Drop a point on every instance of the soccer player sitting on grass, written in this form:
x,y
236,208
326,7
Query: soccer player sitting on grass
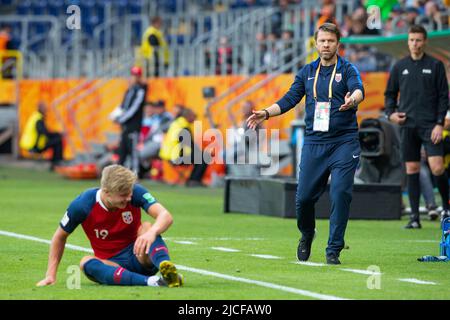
x,y
126,250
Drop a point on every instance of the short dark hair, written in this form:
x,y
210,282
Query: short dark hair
x,y
418,29
328,27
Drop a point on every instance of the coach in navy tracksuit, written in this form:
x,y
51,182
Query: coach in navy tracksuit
x,y
333,89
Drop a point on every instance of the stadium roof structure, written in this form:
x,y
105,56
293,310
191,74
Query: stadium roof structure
x,y
438,44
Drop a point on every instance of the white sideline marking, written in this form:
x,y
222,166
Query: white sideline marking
x,y
239,239
262,284
225,249
183,242
417,281
216,239
21,236
424,241
309,263
301,292
365,272
265,256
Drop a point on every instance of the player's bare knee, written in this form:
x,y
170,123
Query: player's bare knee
x,y
412,168
437,170
84,260
145,226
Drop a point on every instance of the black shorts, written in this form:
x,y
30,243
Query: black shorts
x,y
413,139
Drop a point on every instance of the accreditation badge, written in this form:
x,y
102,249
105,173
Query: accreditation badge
x,y
322,116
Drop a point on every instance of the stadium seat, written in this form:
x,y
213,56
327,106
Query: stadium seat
x,y
23,8
121,7
38,7
56,8
93,21
87,6
135,6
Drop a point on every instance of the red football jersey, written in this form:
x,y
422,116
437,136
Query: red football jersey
x,y
108,231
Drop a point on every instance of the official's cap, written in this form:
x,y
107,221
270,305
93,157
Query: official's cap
x,y
136,71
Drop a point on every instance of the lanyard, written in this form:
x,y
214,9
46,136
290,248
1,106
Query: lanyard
x,y
330,90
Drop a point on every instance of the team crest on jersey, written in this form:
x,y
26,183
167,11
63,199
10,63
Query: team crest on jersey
x,y
127,217
338,77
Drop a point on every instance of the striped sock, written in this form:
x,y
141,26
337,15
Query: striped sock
x,y
105,274
158,252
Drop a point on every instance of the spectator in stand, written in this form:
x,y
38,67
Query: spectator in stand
x,y
258,59
411,15
432,17
36,137
179,148
277,18
359,24
288,45
271,56
178,110
160,122
224,62
327,13
5,38
363,57
6,44
147,121
154,49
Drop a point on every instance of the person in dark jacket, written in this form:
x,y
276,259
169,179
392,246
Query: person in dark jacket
x,y
422,84
129,116
333,89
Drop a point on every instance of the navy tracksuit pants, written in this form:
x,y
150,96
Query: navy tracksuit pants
x,y
318,162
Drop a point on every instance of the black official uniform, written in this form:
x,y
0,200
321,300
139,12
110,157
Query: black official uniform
x,y
423,91
131,120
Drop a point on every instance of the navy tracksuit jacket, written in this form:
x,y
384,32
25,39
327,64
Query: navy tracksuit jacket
x,y
335,152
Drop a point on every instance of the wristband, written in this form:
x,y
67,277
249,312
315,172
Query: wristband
x,y
267,114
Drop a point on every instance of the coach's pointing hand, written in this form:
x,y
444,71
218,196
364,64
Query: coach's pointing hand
x,y
256,118
349,102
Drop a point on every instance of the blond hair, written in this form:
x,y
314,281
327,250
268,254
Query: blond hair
x,y
117,179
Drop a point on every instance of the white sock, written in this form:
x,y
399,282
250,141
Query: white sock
x,y
153,281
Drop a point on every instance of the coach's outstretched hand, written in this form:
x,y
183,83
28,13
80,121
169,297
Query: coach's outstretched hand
x,y
255,119
46,282
348,103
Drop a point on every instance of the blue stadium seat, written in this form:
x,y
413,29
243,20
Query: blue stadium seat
x,y
92,22
66,35
71,2
23,8
56,8
136,33
169,6
135,6
6,2
87,7
38,7
121,6
100,10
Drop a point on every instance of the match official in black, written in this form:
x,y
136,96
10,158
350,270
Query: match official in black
x,y
423,87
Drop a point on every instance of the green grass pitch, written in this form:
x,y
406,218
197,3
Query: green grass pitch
x,y
33,202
